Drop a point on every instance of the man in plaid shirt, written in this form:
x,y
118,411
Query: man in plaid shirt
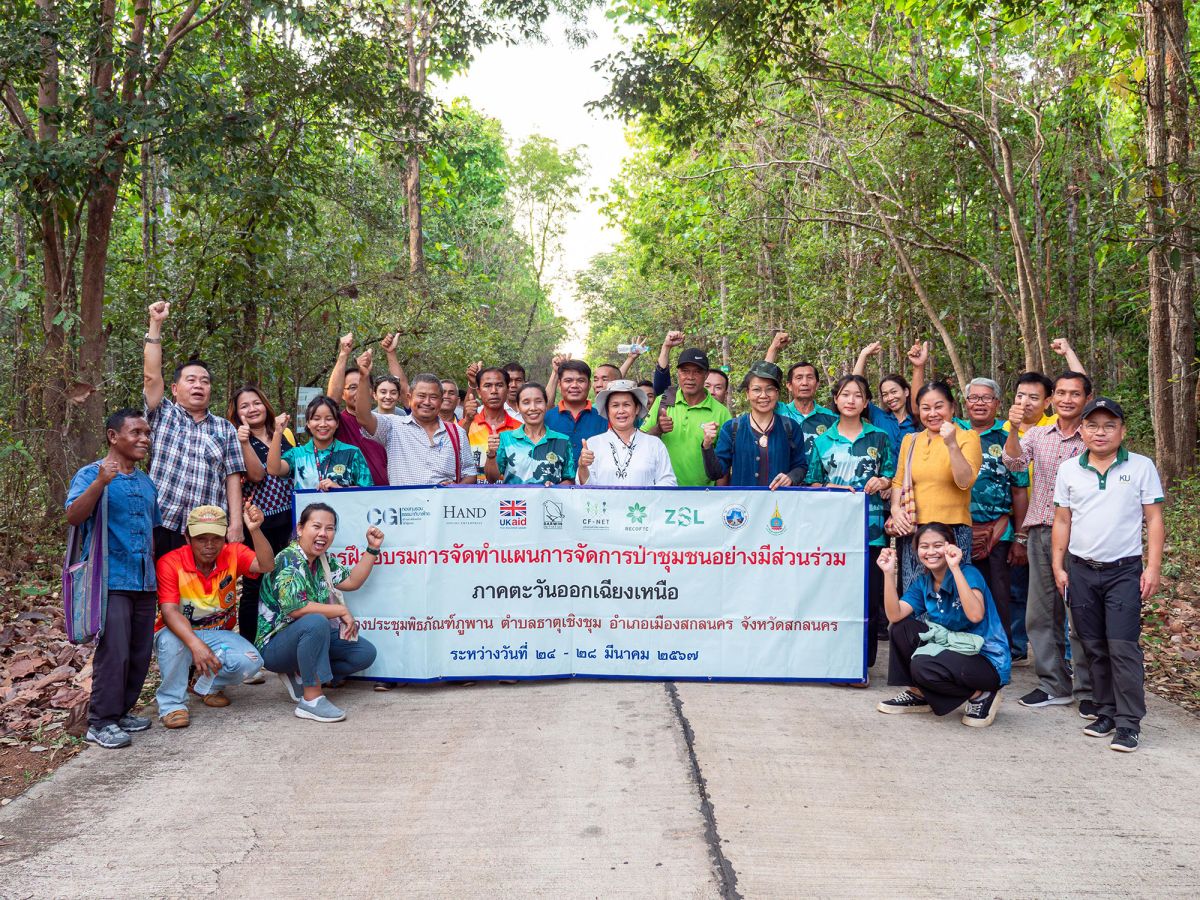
x,y
1047,447
196,460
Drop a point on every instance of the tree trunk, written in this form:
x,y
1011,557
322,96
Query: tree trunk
x,y
1181,259
1172,351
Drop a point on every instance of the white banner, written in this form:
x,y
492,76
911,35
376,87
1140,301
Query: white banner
x,y
664,583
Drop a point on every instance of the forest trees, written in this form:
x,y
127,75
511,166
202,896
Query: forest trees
x,y
239,160
995,176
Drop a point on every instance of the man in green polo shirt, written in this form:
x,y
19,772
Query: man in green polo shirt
x,y
679,415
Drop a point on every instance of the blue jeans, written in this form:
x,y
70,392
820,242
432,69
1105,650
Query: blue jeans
x,y
239,660
311,646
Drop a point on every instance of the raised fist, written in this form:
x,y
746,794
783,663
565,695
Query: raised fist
x,y
954,555
887,560
346,343
374,537
159,311
673,339
780,340
710,434
252,516
365,359
390,342
1016,416
918,354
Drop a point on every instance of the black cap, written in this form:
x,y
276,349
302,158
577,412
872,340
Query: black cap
x,y
767,370
1112,407
693,357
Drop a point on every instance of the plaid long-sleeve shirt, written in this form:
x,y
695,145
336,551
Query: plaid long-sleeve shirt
x,y
190,461
1047,448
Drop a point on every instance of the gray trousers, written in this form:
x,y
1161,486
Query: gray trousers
x,y
1106,605
1046,621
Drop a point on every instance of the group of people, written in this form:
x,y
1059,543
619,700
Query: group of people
x,y
979,527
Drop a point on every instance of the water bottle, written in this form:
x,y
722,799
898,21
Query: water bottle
x,y
632,348
204,684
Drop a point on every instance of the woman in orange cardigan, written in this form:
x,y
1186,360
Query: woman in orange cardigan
x,y
934,474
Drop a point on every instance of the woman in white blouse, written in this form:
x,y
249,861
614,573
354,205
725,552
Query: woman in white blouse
x,y
624,456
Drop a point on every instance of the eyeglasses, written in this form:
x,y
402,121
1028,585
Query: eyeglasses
x,y
762,391
1107,428
980,398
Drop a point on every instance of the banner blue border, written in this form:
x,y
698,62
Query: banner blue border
x,y
582,487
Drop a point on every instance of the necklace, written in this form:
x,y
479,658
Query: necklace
x,y
762,432
622,469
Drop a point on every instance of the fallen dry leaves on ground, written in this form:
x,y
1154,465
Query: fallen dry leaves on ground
x,y
1171,640
45,680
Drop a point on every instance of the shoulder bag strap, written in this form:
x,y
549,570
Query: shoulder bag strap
x,y
452,433
334,593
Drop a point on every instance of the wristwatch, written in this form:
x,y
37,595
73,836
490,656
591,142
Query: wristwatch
x,y
151,340
1022,539
374,551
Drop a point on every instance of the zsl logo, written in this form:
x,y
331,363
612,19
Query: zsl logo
x,y
684,516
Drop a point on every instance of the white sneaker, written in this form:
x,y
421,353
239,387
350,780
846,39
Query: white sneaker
x,y
257,678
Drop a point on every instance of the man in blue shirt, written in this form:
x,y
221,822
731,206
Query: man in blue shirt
x,y
123,653
575,416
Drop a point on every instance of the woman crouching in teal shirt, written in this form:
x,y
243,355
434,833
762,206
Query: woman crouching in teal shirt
x,y
947,642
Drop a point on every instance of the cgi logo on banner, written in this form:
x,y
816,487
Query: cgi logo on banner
x,y
396,515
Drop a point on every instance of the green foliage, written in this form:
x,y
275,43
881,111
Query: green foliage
x,y
765,129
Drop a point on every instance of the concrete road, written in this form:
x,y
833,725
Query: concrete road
x,y
601,789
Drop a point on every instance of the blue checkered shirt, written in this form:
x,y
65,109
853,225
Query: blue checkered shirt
x,y
190,461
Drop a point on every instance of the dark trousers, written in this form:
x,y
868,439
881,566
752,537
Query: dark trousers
x,y
947,679
166,540
1106,610
875,615
998,576
277,529
122,656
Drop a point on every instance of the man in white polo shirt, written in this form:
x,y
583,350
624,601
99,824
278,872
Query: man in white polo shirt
x,y
1101,498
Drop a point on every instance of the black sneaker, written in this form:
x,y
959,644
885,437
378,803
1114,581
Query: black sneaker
x,y
981,711
1037,698
110,737
1126,740
1020,660
1088,709
904,702
1101,727
129,723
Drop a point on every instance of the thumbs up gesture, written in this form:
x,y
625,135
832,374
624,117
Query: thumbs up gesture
x,y
586,456
493,444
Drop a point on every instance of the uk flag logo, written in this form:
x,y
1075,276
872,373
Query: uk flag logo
x,y
513,514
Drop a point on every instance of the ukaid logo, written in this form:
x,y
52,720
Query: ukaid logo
x,y
513,514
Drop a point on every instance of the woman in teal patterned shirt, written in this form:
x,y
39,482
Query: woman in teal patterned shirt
x,y
857,456
531,454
